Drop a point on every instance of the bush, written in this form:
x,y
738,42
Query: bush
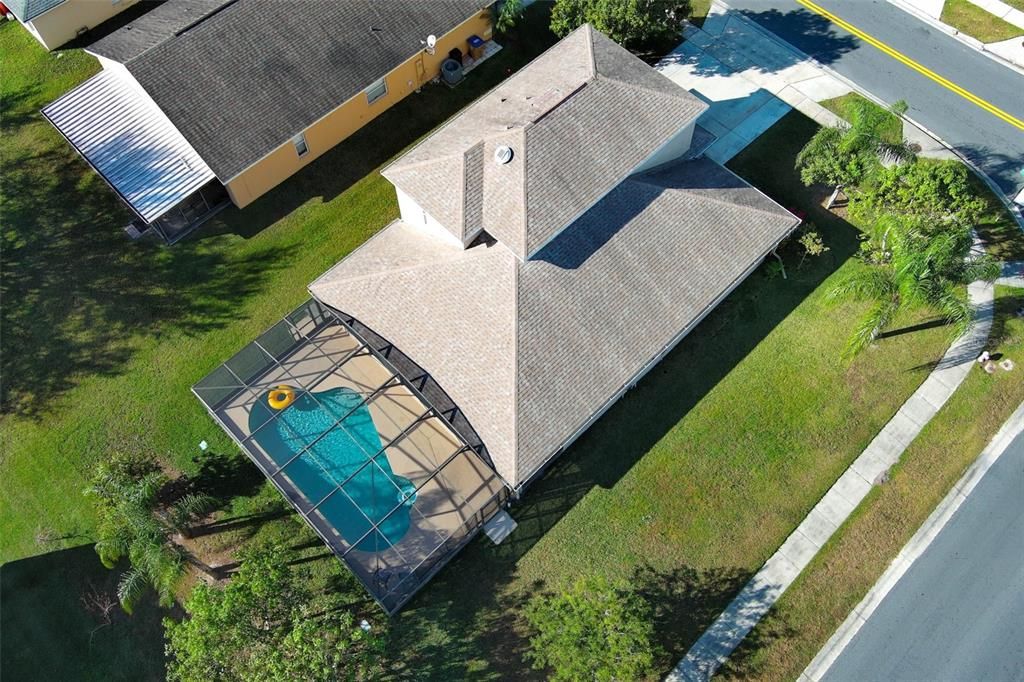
x,y
936,192
265,626
595,630
634,24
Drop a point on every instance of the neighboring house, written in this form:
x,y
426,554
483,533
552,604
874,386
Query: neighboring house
x,y
558,238
201,101
55,22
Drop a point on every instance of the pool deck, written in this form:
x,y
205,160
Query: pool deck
x,y
455,487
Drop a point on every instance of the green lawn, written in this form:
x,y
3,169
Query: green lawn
x,y
839,577
687,485
968,18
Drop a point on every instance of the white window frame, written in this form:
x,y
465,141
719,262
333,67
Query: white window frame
x,y
301,146
377,89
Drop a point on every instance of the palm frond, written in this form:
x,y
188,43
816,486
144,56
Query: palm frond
x,y
985,268
189,507
870,326
956,308
869,283
130,588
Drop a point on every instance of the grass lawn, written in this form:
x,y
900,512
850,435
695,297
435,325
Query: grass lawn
x,y
839,577
687,485
968,18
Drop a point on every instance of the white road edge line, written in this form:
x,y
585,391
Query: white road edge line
x,y
914,548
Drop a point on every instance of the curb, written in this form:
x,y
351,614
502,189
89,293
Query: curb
x,y
924,536
967,40
1015,210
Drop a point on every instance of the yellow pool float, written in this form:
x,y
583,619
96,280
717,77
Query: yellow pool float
x,y
281,397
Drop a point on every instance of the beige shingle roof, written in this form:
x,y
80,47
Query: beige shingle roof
x,y
530,350
579,119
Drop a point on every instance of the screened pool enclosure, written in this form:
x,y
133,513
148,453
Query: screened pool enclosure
x,y
362,442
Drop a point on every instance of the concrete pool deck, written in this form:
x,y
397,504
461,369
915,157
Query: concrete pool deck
x,y
454,485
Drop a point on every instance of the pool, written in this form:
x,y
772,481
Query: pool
x,y
374,490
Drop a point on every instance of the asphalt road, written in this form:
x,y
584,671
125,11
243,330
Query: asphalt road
x,y
958,612
993,144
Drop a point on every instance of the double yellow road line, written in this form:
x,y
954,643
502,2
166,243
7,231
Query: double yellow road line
x,y
923,70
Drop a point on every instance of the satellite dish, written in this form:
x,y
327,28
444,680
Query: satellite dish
x,y
431,41
503,154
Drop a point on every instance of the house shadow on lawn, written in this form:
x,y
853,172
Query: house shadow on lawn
x,y
466,621
54,628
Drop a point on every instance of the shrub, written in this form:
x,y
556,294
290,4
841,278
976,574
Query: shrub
x,y
595,630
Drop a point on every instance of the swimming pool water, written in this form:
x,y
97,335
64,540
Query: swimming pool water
x,y
333,458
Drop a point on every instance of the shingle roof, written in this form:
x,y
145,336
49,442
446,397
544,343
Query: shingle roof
x,y
153,28
578,119
251,75
530,350
130,142
27,10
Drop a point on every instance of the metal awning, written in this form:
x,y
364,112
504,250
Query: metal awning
x,y
128,140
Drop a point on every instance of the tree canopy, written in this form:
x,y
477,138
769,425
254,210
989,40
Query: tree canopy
x,y
634,24
265,626
595,630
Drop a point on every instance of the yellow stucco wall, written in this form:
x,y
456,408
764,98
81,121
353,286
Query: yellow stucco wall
x,y
63,22
353,114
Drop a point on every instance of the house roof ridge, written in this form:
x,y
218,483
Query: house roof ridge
x,y
691,192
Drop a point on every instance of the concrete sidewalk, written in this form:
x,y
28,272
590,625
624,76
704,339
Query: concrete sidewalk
x,y
912,551
779,572
749,80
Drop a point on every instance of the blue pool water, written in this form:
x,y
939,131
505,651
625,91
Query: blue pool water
x,y
333,459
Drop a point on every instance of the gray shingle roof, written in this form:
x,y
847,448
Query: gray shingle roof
x,y
530,350
579,119
252,74
27,10
153,28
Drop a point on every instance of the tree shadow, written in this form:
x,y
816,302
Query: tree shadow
x,y
807,31
466,621
729,44
60,622
77,295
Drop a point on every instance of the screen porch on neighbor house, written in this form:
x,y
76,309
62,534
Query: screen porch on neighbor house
x,y
392,480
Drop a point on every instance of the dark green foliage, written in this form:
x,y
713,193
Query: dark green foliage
x,y
852,154
635,24
595,630
265,625
134,524
935,191
508,14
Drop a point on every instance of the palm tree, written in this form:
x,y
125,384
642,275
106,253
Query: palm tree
x,y
854,152
134,525
910,264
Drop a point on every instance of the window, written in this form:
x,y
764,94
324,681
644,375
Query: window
x,y
300,144
376,91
